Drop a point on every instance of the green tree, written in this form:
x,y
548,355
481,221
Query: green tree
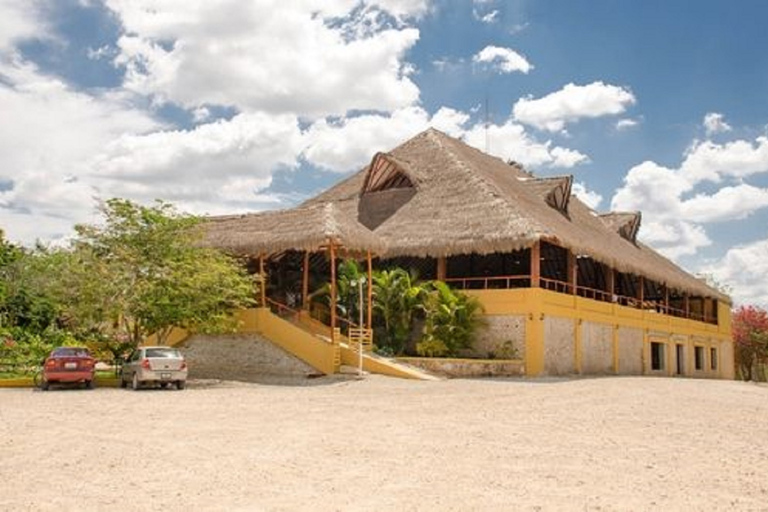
x,y
23,302
397,298
144,271
452,319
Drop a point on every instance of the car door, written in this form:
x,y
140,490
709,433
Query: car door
x,y
130,366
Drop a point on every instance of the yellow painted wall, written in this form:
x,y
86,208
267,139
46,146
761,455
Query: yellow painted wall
x,y
537,304
312,350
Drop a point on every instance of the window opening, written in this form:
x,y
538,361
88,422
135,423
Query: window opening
x,y
657,356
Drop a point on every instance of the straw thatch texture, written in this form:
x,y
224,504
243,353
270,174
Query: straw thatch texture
x,y
460,201
307,228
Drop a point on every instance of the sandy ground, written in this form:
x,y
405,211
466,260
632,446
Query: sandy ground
x,y
388,444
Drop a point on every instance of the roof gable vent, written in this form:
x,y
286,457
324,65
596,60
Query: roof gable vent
x,y
626,224
386,173
560,193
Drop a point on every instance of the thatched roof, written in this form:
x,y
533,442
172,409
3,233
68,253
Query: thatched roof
x,y
436,196
308,228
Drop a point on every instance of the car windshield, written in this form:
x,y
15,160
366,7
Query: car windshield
x,y
70,352
163,352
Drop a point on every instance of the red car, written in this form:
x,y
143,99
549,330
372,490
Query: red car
x,y
68,365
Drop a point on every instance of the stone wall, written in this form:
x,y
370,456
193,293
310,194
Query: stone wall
x,y
502,337
630,351
559,346
467,368
596,348
244,357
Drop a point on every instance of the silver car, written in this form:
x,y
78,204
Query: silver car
x,y
154,366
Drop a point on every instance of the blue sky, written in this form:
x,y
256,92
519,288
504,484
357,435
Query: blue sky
x,y
225,106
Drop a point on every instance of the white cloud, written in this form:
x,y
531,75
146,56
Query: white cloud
x,y
626,124
676,210
224,163
673,237
743,269
402,8
511,141
589,197
504,60
715,123
349,144
715,162
728,203
567,158
271,56
487,17
19,20
572,103
55,130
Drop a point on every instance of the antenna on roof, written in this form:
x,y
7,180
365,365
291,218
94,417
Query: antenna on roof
x,y
487,125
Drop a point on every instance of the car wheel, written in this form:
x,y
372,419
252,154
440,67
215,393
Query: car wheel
x,y
123,383
181,384
45,385
135,384
164,385
89,384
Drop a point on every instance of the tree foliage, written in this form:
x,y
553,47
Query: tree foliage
x,y
144,272
452,319
750,339
23,302
397,298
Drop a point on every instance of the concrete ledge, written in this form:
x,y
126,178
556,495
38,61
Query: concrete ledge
x,y
467,368
27,382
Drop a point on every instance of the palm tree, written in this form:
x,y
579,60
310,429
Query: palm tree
x,y
452,318
397,296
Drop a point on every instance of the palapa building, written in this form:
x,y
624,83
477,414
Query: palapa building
x,y
566,290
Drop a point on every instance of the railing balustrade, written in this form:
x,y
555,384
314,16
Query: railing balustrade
x,y
524,281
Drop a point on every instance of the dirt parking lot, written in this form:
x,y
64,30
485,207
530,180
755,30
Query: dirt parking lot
x,y
388,444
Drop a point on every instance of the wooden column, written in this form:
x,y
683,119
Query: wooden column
x,y
263,287
370,292
666,299
572,272
442,265
687,305
641,290
332,256
535,264
610,282
305,283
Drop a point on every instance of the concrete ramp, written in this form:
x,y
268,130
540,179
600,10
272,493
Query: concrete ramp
x,y
373,363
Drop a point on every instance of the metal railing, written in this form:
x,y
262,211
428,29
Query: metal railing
x,y
489,282
556,285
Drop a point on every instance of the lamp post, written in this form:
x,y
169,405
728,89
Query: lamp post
x,y
359,282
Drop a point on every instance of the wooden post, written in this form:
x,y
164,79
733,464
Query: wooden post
x,y
441,268
535,264
370,292
641,291
305,283
666,299
687,305
332,251
263,287
572,272
610,282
